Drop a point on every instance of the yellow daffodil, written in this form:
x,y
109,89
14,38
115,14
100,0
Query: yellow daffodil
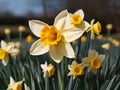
x,y
76,21
116,42
21,28
84,38
29,38
109,26
75,69
100,36
5,50
48,68
93,61
7,31
106,46
14,85
54,38
95,28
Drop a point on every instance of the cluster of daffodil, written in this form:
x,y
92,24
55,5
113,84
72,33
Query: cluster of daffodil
x,y
56,39
61,41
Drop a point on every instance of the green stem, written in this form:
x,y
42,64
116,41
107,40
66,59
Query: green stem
x,y
70,83
59,77
20,36
46,81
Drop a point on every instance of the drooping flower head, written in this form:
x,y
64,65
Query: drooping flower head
x,y
15,85
7,49
75,69
48,68
95,28
54,38
93,61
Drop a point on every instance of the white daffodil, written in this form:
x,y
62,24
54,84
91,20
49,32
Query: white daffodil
x,y
75,69
15,85
54,39
76,21
5,50
93,61
48,68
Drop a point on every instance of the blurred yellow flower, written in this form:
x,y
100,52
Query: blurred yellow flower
x,y
48,68
7,31
29,38
21,28
55,39
84,38
100,36
75,69
116,42
93,61
109,26
106,46
14,85
5,50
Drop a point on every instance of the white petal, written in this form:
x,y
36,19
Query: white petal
x,y
26,87
69,74
92,53
38,48
11,80
60,24
69,67
68,21
36,26
55,54
83,25
10,47
14,51
72,34
66,49
5,61
74,63
80,12
4,44
61,15
44,66
101,57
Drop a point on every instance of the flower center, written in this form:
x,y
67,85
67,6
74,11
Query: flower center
x,y
95,63
50,70
3,53
96,28
50,35
77,69
17,86
76,19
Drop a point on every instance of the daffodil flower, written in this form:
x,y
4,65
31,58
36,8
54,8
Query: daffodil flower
x,y
95,28
76,21
15,85
48,68
5,50
54,38
75,69
93,61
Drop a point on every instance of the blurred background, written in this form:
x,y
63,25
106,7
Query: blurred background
x,y
17,12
